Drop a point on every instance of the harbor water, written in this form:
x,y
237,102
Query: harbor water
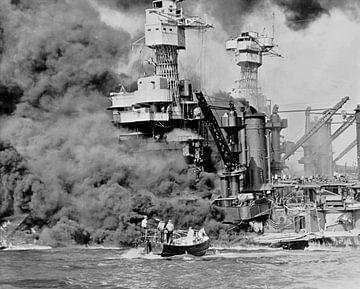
x,y
236,268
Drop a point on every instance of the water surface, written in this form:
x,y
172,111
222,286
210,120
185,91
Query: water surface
x,y
236,268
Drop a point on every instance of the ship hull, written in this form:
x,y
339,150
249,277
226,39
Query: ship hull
x,y
195,250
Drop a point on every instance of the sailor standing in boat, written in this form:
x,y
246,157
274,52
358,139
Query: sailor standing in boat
x,y
201,233
190,236
161,228
144,227
169,229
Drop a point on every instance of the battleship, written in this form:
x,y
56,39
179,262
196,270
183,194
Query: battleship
x,y
163,101
256,194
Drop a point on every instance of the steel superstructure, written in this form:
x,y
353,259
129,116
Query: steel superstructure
x,y
249,48
163,101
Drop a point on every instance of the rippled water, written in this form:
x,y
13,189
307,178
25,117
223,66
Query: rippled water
x,y
241,268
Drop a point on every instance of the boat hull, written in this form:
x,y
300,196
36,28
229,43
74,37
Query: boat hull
x,y
195,250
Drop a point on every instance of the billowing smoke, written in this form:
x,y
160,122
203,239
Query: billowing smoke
x,y
137,5
64,165
299,13
55,50
17,183
9,97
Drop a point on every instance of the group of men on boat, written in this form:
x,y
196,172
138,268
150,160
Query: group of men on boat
x,y
164,232
165,229
162,238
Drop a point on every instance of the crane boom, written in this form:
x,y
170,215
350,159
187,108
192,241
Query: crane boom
x,y
349,121
229,161
325,118
345,151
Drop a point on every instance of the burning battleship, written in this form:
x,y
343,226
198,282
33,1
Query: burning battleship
x,y
163,101
91,190
255,196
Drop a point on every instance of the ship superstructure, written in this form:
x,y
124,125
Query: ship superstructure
x,y
249,48
162,101
252,153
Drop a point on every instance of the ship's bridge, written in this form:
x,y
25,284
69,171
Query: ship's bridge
x,y
249,47
152,89
162,24
150,102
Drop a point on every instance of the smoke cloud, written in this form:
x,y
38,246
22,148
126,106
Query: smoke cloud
x,y
232,13
299,13
60,159
17,183
64,165
126,5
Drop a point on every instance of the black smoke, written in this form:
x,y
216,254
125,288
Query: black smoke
x,y
232,13
63,164
300,13
17,184
55,50
127,5
9,97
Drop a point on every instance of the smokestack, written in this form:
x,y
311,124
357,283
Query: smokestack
x,y
308,148
275,124
256,150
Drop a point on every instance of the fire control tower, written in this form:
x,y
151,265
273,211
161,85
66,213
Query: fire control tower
x,y
165,34
163,101
248,49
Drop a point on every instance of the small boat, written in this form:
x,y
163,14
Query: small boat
x,y
293,244
196,244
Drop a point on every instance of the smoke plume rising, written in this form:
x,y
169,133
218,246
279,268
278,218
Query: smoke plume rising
x,y
64,164
138,5
68,170
299,13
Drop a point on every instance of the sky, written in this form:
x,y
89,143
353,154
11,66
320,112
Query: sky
x,y
320,65
320,62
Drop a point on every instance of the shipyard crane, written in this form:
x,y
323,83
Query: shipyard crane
x,y
345,151
325,118
231,164
348,122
